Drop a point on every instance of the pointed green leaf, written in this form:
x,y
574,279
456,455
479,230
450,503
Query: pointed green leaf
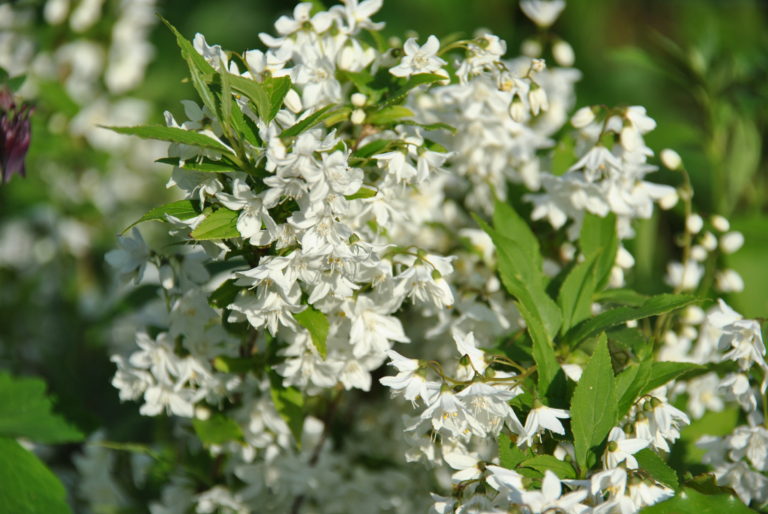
x,y
308,122
598,237
172,135
204,166
182,209
363,192
650,462
510,455
629,385
412,82
391,114
267,95
593,405
26,411
220,224
289,403
663,372
28,486
575,298
690,501
372,148
543,463
217,429
189,53
652,307
621,297
317,324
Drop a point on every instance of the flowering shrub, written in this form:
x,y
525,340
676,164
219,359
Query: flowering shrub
x,y
399,280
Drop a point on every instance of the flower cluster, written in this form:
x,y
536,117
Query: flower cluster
x,y
329,190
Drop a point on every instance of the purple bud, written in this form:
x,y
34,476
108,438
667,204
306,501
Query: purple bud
x,y
14,135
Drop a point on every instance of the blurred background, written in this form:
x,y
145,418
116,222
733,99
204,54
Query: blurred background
x,y
700,67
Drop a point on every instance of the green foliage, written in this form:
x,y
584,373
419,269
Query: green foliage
x,y
25,411
220,224
593,405
217,429
542,463
389,114
203,165
317,324
690,501
28,486
654,306
412,82
650,462
289,403
172,135
182,209
310,121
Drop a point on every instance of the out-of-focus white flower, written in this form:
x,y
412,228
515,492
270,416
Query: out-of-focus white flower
x,y
542,12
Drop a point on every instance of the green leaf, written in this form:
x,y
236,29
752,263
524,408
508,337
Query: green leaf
x,y
226,98
28,486
205,166
308,122
183,209
220,224
217,429
413,81
510,456
543,463
233,364
690,501
372,148
652,307
225,294
629,385
519,265
621,297
657,468
632,339
390,114
189,53
25,411
289,403
663,372
363,192
317,324
562,156
593,405
267,95
575,298
171,134
598,237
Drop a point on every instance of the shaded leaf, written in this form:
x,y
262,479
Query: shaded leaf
x,y
543,463
663,372
657,468
220,224
289,403
575,297
26,411
308,122
217,429
317,324
28,487
598,237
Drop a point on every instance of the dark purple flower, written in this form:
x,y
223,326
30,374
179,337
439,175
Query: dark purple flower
x,y
14,135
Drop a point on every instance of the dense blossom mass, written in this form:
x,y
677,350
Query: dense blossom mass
x,y
357,319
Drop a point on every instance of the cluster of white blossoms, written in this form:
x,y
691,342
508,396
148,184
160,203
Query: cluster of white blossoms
x,y
328,187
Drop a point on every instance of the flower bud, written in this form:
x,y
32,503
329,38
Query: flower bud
x,y
358,116
729,281
358,99
694,224
699,253
731,242
537,98
583,117
293,101
531,48
517,109
720,223
563,53
708,241
671,159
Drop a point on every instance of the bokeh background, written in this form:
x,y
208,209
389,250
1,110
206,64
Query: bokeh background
x,y
700,67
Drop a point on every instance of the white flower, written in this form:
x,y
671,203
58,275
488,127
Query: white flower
x,y
694,223
543,418
409,379
542,12
728,281
621,449
420,59
550,497
686,277
131,256
449,415
671,159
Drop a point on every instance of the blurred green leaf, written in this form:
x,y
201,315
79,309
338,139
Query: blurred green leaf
x,y
171,134
217,429
28,486
317,324
220,224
